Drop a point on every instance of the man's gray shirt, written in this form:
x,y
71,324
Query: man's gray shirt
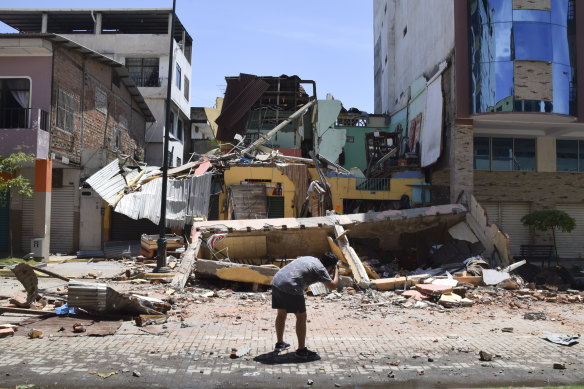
x,y
299,274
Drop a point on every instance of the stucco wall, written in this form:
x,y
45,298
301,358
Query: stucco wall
x,y
415,36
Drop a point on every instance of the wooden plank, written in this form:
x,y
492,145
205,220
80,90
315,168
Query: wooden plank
x,y
359,272
397,282
25,311
475,280
337,251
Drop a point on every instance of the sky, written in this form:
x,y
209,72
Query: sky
x,y
328,41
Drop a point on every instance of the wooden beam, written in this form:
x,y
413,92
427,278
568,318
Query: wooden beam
x,y
350,256
397,282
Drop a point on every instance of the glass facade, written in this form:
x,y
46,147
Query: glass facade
x,y
500,35
569,155
504,154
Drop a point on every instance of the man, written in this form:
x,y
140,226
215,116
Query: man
x,y
288,288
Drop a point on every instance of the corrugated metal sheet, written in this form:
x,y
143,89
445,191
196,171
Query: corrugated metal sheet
x,y
86,295
107,182
185,199
240,95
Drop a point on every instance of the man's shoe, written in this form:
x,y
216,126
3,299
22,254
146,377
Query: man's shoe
x,y
281,347
305,354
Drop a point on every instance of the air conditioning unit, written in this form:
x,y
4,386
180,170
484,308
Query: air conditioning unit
x,y
37,247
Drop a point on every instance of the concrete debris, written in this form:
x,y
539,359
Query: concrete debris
x,y
25,274
35,334
239,351
565,340
493,277
434,290
485,356
5,332
534,316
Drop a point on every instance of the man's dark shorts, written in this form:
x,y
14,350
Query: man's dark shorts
x,y
292,303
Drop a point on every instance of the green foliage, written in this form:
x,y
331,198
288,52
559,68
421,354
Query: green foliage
x,y
11,261
545,219
10,179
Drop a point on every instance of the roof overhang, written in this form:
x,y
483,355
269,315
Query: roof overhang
x,y
519,124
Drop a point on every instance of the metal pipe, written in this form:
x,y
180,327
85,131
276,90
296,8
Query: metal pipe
x,y
271,133
161,257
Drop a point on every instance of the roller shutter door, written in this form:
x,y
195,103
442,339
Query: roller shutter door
x,y
26,227
4,223
62,220
571,244
511,214
507,215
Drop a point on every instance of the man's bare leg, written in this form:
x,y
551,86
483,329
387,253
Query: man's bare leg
x,y
280,324
301,329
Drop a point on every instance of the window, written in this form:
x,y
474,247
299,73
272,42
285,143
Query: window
x,y
171,123
504,154
187,86
117,139
178,78
144,71
66,109
179,130
101,101
14,102
569,155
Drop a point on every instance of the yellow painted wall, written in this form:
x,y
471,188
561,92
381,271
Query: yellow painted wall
x,y
236,174
341,187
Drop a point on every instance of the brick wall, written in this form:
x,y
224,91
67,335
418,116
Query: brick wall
x,y
544,190
107,109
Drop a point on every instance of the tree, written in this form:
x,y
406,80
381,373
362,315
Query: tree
x,y
553,219
11,179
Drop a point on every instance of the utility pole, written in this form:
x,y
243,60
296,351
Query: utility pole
x,y
161,266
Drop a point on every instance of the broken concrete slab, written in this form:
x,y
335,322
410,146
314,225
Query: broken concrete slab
x,y
351,257
236,272
434,290
565,340
25,274
416,295
493,277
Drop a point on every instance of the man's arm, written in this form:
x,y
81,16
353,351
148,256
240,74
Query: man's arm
x,y
332,285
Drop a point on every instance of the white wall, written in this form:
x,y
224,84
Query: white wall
x,y
429,40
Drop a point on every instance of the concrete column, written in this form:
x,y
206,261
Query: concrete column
x,y
41,222
461,162
98,23
44,23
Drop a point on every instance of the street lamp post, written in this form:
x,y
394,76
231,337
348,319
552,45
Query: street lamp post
x,y
161,266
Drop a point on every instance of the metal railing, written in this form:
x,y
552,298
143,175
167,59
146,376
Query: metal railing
x,y
373,184
152,81
34,118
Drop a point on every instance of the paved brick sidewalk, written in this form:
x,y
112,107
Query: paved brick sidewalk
x,y
359,343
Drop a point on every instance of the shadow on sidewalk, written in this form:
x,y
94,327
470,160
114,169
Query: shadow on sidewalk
x,y
274,358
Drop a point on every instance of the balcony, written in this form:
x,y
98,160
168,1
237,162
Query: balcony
x,y
26,130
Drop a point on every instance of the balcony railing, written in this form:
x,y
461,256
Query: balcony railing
x,y
373,184
34,118
151,81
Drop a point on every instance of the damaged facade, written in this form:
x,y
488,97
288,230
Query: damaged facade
x,y
69,106
506,136
138,39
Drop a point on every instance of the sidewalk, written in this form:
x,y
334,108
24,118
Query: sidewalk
x,y
362,340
